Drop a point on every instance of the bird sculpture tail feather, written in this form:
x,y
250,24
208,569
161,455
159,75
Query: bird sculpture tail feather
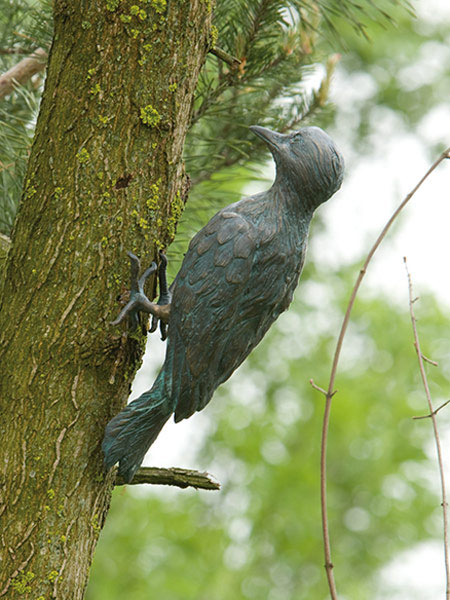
x,y
130,434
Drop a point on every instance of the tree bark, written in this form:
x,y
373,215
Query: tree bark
x,y
105,176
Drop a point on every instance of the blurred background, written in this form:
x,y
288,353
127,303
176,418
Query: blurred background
x,y
380,86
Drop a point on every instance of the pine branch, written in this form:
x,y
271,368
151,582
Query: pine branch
x,y
230,155
256,24
213,96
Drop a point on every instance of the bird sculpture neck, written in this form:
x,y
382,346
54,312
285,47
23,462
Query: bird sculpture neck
x,y
292,202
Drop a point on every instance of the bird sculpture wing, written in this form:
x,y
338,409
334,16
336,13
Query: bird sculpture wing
x,y
208,331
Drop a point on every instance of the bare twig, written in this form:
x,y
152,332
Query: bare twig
x,y
26,37
318,388
428,360
182,478
230,60
435,430
435,412
330,392
22,71
5,51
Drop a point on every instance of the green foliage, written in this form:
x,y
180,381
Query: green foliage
x,y
408,72
24,27
276,42
361,16
17,120
280,45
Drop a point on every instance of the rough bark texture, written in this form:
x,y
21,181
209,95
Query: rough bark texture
x,y
105,176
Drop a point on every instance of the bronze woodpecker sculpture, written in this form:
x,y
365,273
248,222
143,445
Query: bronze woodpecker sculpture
x,y
238,275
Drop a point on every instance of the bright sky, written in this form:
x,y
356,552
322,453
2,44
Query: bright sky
x,y
374,186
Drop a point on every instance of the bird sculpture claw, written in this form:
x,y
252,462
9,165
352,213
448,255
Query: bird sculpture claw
x,y
138,301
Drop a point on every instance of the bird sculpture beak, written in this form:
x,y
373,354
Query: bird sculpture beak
x,y
272,138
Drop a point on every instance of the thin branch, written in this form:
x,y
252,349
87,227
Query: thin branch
x,y
435,412
6,51
337,353
428,360
236,74
435,430
25,37
22,71
230,60
182,478
318,388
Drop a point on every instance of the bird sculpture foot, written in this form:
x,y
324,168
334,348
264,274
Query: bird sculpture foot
x,y
164,300
138,300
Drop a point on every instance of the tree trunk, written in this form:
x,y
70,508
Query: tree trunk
x,y
105,176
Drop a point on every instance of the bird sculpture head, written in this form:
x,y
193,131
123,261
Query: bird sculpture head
x,y
307,161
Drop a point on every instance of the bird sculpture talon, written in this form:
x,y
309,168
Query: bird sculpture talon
x,y
165,298
138,300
